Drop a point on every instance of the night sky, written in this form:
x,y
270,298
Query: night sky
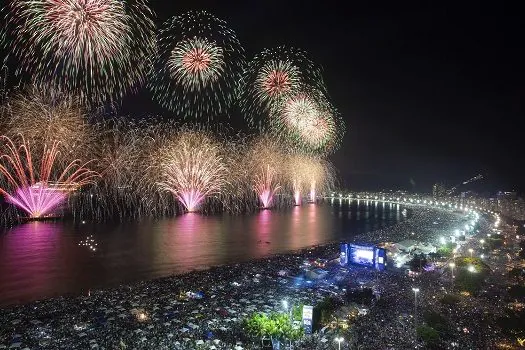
x,y
428,93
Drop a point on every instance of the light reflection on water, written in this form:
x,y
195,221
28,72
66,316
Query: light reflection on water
x,y
43,259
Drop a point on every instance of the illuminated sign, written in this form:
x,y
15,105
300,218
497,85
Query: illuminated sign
x,y
308,312
343,258
363,255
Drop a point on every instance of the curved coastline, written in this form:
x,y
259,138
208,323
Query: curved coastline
x,y
108,316
391,233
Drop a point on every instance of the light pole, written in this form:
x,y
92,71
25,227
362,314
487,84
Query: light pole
x,y
339,340
416,290
470,251
285,305
452,265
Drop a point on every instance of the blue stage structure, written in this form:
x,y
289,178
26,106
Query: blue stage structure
x,y
365,255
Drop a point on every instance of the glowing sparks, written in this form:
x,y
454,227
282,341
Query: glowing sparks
x,y
312,191
310,122
39,191
97,49
273,76
307,174
276,80
265,162
265,185
198,66
47,116
196,63
192,168
37,200
297,191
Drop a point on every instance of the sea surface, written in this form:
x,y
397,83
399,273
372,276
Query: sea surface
x,y
48,259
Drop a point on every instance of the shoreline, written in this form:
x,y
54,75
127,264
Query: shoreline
x,y
325,250
314,249
170,318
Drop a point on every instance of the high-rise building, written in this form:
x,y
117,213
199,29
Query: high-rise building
x,y
438,190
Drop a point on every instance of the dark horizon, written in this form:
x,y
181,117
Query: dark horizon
x,y
429,93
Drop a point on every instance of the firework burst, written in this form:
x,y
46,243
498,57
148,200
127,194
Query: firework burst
x,y
120,161
298,172
272,77
308,175
198,65
38,191
266,185
310,122
192,167
96,49
265,165
48,116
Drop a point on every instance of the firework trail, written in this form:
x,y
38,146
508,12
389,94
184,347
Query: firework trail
x,y
119,150
273,76
198,65
48,116
192,167
38,191
96,49
308,174
265,164
321,177
266,185
298,171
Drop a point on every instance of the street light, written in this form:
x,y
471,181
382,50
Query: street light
x,y
285,305
452,265
471,268
339,340
416,290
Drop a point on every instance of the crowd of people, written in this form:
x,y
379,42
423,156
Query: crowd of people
x,y
206,309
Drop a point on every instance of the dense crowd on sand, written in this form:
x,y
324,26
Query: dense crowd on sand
x,y
205,309
471,323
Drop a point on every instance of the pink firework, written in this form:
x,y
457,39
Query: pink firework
x,y
312,191
297,192
266,186
39,191
37,200
192,168
191,199
276,82
196,60
97,50
80,26
196,63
